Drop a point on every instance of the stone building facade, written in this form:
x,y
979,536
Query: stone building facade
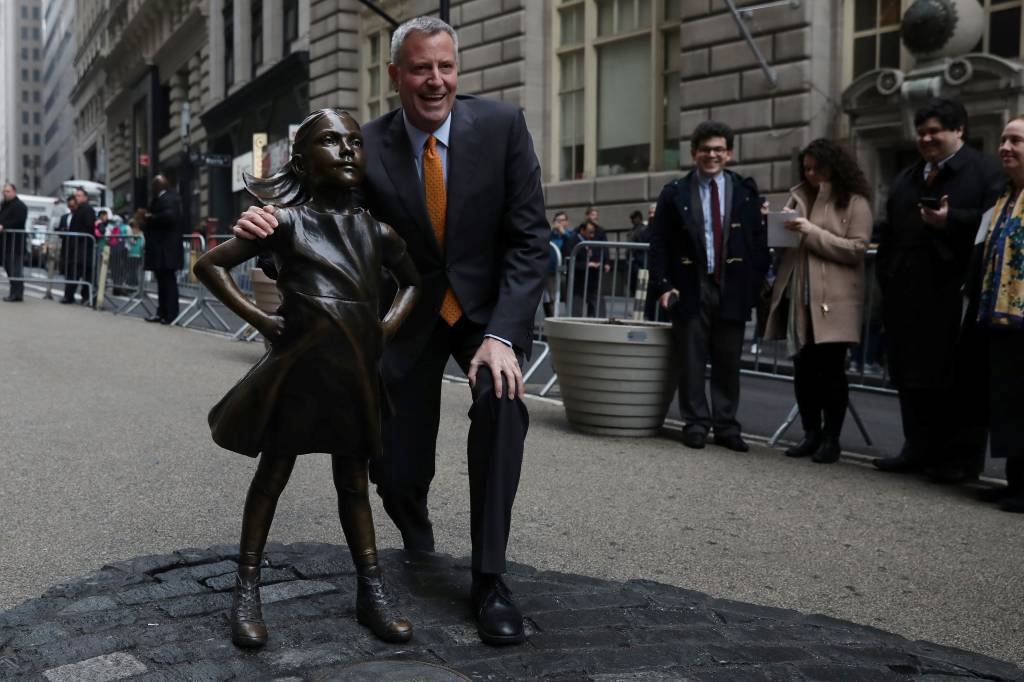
x,y
21,41
611,89
58,79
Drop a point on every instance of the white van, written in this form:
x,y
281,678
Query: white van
x,y
40,212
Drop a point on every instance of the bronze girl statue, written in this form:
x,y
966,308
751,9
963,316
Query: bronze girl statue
x,y
318,387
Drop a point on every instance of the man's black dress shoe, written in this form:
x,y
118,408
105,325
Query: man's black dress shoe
x,y
950,475
65,301
807,447
694,439
828,452
994,494
732,441
1013,503
898,464
154,318
498,619
12,299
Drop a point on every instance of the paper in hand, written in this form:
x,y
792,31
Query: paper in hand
x,y
779,236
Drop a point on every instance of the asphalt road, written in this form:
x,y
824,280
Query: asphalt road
x,y
106,455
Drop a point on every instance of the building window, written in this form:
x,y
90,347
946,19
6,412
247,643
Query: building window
x,y
256,34
876,35
229,44
24,53
35,34
24,74
37,118
24,118
24,96
35,53
24,139
35,12
1002,28
35,139
35,97
617,90
24,32
291,24
379,96
35,75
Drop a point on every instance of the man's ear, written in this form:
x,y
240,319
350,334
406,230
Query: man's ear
x,y
393,75
960,132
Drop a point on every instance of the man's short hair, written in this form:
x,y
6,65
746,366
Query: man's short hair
x,y
950,114
589,209
709,129
636,214
559,213
429,25
11,185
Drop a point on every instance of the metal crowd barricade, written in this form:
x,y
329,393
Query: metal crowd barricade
x,y
119,267
45,257
538,361
613,286
194,245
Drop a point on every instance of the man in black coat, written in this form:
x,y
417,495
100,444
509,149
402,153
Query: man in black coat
x,y
708,259
13,216
78,252
482,261
924,249
163,250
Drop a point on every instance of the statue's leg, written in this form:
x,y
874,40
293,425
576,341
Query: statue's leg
x,y
375,605
247,626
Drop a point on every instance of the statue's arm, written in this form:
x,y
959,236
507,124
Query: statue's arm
x,y
399,264
214,270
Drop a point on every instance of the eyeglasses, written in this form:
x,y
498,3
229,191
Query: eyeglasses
x,y
712,150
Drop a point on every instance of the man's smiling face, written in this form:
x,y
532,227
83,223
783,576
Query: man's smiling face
x,y
426,77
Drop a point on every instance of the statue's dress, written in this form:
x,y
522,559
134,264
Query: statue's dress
x,y
318,388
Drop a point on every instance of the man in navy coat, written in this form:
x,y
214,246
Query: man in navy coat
x,y
708,260
492,261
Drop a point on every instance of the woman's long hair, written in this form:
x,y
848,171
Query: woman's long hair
x,y
287,187
845,175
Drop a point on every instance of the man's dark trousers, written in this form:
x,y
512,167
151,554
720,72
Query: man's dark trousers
x,y
699,338
166,294
496,434
13,247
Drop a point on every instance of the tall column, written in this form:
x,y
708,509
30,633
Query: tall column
x,y
273,32
215,24
243,42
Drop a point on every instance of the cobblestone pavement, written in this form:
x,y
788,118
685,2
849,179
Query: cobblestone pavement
x,y
164,618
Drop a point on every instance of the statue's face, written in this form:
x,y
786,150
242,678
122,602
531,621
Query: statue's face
x,y
333,152
426,77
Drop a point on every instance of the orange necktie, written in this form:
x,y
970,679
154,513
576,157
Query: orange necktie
x,y
437,208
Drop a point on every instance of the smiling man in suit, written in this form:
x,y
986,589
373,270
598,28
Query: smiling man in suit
x,y
708,259
457,177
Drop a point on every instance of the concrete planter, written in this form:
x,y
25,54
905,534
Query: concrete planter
x,y
616,377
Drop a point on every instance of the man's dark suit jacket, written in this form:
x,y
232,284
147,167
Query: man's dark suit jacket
x,y
496,231
678,257
921,269
162,230
13,216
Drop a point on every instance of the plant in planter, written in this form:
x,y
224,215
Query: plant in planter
x,y
616,377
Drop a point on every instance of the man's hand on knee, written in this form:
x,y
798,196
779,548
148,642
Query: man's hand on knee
x,y
503,365
257,222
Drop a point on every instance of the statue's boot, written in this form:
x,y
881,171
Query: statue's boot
x,y
247,627
376,608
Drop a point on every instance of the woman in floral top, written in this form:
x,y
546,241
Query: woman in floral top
x,y
999,279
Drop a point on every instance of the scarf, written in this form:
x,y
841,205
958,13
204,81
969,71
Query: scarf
x,y
1002,286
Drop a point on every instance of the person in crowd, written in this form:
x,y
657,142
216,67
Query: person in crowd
x,y
116,232
559,234
78,251
135,243
817,297
996,309
651,307
100,226
708,259
589,266
476,230
163,251
13,218
925,245
640,233
591,215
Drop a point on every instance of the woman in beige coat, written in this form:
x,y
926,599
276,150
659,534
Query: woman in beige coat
x,y
818,295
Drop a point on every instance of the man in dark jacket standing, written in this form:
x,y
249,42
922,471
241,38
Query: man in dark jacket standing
x,y
78,251
925,246
162,229
13,216
708,259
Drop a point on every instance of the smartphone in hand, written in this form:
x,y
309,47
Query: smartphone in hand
x,y
934,203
